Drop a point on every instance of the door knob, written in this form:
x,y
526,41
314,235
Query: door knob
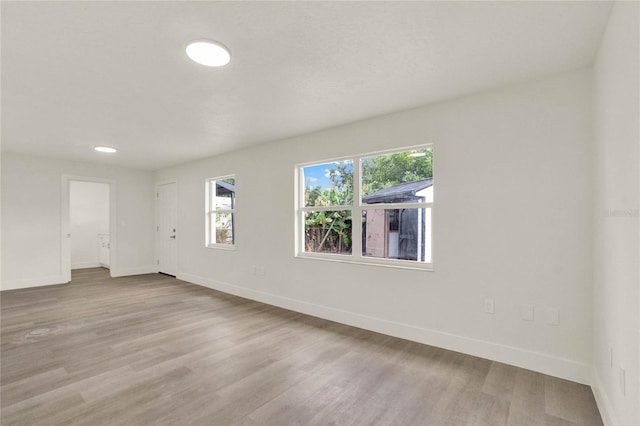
x,y
173,237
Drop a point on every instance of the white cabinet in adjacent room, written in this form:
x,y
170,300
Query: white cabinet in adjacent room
x,y
104,246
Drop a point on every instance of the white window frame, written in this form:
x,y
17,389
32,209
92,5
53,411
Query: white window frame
x,y
357,209
210,209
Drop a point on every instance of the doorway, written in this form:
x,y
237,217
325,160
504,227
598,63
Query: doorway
x,y
167,227
88,224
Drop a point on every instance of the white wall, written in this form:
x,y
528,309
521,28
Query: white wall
x,y
616,240
88,217
31,221
513,176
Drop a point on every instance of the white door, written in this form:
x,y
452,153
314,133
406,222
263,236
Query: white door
x,y
167,227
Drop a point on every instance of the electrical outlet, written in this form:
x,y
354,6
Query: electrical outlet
x,y
527,312
489,306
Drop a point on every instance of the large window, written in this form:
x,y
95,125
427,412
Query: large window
x,y
373,208
221,208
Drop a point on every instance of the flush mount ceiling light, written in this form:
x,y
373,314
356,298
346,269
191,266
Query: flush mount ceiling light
x,y
209,53
105,149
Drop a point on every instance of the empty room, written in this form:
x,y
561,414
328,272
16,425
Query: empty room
x,y
320,213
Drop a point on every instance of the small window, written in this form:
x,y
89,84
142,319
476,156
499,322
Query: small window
x,y
221,208
401,177
389,194
328,184
404,182
328,187
327,231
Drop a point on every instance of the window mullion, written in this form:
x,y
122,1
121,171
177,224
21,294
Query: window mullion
x,y
384,206
324,208
356,212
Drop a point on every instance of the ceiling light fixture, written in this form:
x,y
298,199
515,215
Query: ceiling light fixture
x,y
209,53
105,149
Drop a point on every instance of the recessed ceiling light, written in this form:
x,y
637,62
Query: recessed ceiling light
x,y
105,149
209,53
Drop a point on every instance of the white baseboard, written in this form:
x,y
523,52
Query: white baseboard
x,y
125,272
536,361
59,279
32,282
85,265
603,403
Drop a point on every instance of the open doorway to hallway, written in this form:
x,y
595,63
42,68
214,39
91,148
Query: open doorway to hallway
x,y
89,224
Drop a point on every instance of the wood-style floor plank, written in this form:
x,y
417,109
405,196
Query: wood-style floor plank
x,y
151,349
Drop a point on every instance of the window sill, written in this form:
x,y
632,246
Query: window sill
x,y
385,263
226,247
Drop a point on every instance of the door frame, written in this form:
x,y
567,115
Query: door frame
x,y
65,223
157,220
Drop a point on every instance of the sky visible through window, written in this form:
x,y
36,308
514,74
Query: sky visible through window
x,y
318,175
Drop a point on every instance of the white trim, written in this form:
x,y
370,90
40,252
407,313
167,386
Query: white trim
x,y
32,282
220,246
166,182
536,361
396,206
335,208
367,260
211,209
85,265
65,243
156,267
378,206
134,271
366,154
298,192
356,214
357,208
603,402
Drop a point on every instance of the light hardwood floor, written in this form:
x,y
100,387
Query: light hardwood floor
x,y
153,350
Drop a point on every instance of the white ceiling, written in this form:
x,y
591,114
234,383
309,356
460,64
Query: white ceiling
x,y
79,74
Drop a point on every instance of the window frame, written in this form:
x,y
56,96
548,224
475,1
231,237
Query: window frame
x,y
357,208
211,209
